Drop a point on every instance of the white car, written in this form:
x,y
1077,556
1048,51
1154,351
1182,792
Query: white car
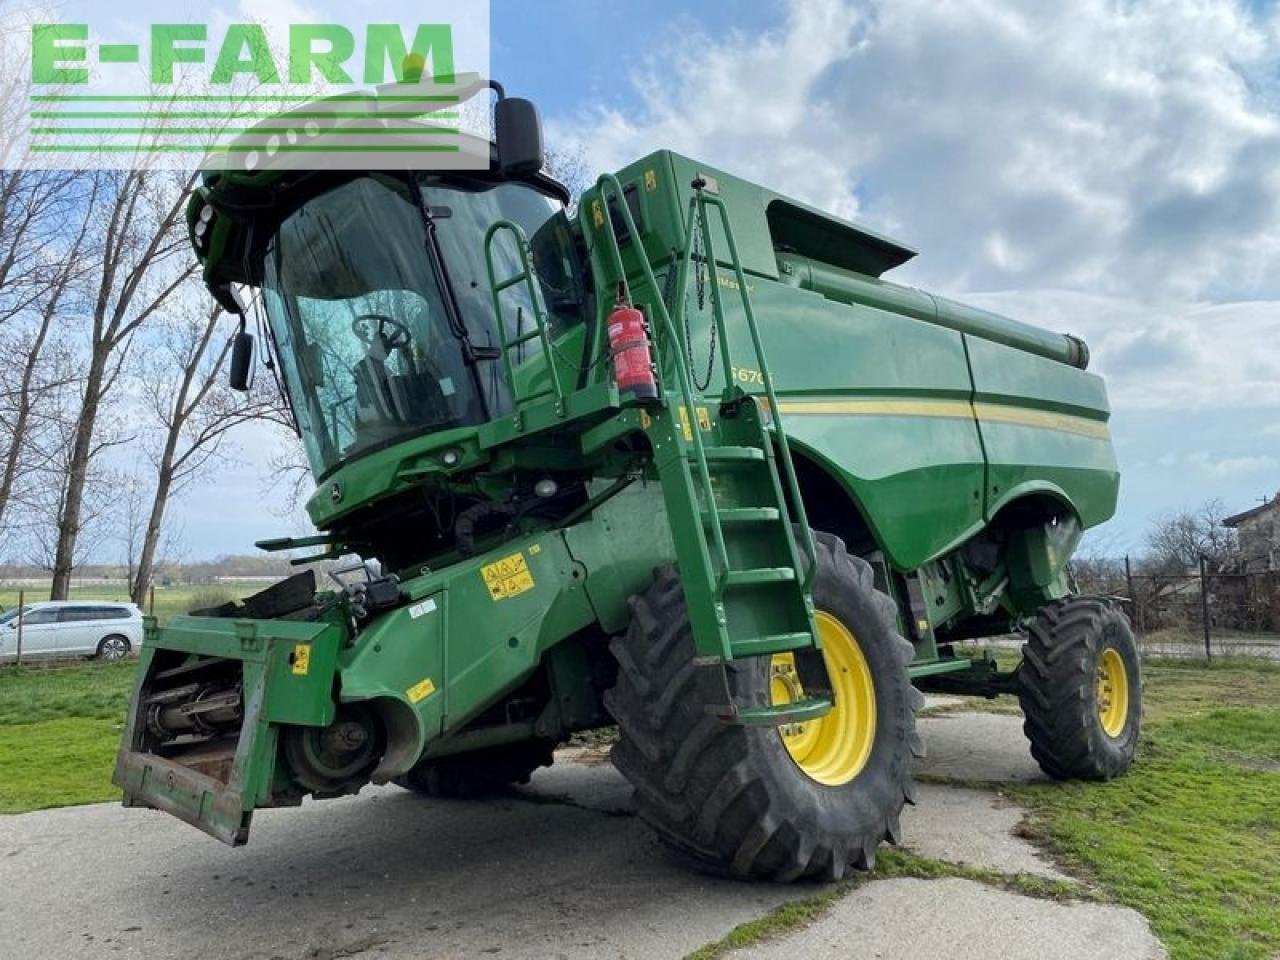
x,y
62,628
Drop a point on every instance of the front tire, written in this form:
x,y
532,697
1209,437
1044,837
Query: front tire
x,y
759,801
1081,689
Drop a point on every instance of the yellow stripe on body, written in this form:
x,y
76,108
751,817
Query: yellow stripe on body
x,y
949,409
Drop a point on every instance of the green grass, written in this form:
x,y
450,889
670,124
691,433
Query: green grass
x,y
792,915
56,763
59,731
1191,836
90,691
796,914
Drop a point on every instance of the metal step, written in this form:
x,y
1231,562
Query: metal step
x,y
730,454
745,515
775,643
775,716
759,575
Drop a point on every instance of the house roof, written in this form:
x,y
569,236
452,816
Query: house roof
x,y
1235,520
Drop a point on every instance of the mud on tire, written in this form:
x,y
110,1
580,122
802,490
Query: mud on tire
x,y
731,796
1058,682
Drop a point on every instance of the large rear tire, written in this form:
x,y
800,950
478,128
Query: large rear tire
x,y
478,772
1081,689
759,801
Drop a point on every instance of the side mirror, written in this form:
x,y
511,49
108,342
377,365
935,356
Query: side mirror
x,y
241,373
518,130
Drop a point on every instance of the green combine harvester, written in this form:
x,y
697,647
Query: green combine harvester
x,y
675,459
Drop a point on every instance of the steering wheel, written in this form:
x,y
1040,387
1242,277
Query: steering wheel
x,y
393,334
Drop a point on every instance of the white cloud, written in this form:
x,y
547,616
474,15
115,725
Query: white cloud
x,y
1203,461
1113,168
1232,466
1126,148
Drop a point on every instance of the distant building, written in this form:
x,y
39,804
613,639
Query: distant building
x,y
1259,532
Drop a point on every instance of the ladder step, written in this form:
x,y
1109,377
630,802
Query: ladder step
x,y
797,712
524,338
745,515
759,575
510,282
777,643
731,454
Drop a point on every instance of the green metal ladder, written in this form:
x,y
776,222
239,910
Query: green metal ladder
x,y
539,331
738,546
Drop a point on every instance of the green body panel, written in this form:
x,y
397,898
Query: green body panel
x,y
1071,457
859,387
469,646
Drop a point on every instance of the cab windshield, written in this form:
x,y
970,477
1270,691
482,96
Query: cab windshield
x,y
377,293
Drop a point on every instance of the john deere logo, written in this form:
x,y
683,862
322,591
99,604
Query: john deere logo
x,y
335,493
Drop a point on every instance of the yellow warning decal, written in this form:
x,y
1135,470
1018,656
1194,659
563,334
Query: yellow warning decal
x,y
686,427
508,577
650,181
301,659
597,214
420,691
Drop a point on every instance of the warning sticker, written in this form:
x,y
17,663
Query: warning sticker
x,y
422,609
301,659
420,691
508,577
704,421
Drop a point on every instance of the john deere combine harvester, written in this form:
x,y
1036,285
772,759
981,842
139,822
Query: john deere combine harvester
x,y
681,462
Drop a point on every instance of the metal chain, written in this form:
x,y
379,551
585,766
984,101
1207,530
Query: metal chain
x,y
700,286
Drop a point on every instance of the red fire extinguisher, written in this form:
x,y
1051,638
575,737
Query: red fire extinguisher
x,y
629,344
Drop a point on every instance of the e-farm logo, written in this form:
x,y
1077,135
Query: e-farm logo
x,y
256,96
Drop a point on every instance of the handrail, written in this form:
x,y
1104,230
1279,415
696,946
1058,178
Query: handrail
x,y
698,220
609,181
702,200
496,287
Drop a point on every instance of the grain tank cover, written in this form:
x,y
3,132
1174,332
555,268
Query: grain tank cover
x,y
801,229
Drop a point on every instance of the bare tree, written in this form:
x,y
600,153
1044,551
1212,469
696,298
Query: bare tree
x,y
187,394
27,398
1176,542
139,237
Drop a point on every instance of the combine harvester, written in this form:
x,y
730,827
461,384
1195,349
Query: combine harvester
x,y
681,461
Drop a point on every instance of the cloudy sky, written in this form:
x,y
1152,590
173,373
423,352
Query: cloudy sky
x,y
1110,169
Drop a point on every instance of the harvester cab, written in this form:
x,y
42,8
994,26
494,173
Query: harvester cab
x,y
676,459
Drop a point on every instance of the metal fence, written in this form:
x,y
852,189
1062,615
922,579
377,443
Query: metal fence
x,y
1201,613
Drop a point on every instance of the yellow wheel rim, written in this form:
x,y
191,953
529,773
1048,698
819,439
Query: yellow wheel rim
x,y
832,749
1112,682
